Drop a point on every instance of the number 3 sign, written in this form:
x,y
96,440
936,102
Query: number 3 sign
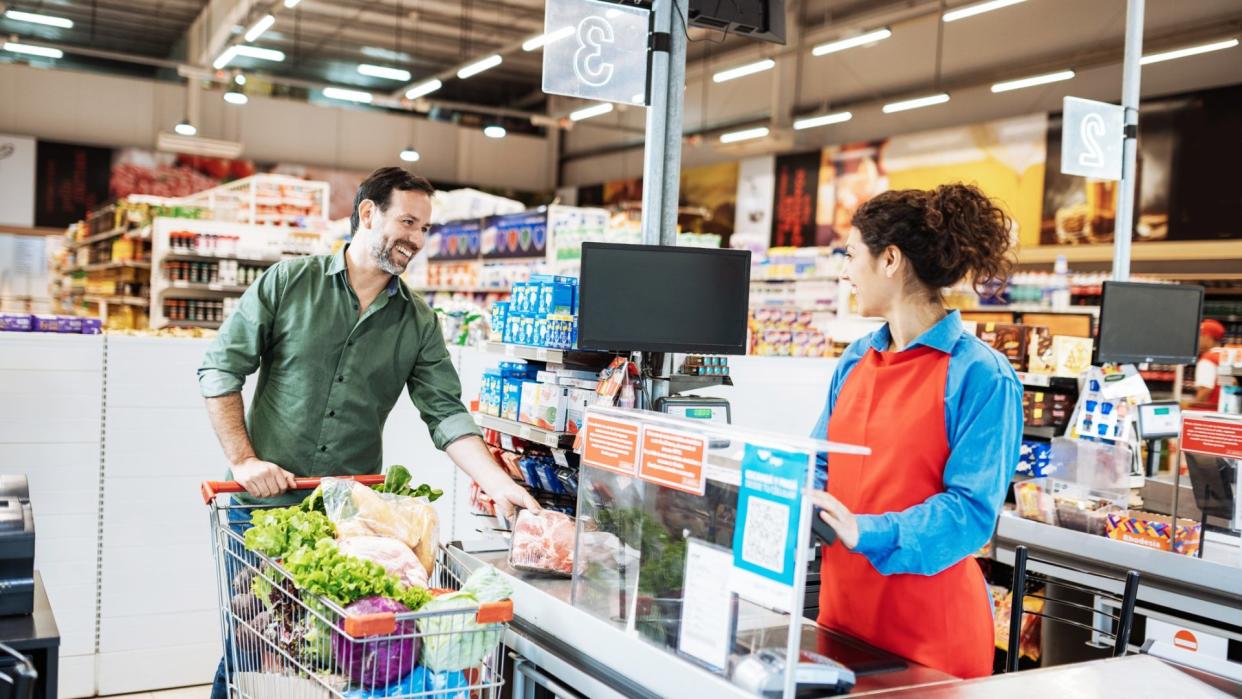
x,y
1091,138
595,50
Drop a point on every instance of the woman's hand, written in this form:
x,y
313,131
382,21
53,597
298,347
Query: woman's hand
x,y
837,516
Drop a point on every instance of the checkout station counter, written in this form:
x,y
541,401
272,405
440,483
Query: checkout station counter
x,y
689,571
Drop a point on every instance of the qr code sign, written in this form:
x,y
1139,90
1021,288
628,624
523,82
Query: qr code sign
x,y
764,534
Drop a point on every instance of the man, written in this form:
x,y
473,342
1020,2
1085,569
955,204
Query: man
x,y
335,339
1207,381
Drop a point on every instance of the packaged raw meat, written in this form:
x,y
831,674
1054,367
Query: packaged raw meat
x,y
543,542
392,554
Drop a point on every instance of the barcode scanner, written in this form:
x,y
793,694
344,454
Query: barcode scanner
x,y
821,529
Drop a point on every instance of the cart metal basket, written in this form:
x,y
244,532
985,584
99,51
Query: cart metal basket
x,y
304,646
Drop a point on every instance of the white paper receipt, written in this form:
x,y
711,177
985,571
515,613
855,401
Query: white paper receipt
x,y
706,615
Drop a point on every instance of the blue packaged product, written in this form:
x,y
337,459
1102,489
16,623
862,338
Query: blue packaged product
x,y
528,330
92,326
16,322
511,399
500,313
517,298
561,295
542,336
512,323
537,290
547,475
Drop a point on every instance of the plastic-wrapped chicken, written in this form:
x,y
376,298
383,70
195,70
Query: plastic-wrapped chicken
x,y
543,542
357,510
392,554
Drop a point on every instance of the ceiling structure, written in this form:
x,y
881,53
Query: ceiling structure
x,y
324,42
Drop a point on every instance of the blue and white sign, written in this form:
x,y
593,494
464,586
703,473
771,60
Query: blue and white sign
x,y
1092,134
595,50
765,540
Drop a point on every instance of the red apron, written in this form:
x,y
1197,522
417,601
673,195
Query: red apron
x,y
893,402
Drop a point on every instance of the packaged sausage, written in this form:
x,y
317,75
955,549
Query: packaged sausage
x,y
543,542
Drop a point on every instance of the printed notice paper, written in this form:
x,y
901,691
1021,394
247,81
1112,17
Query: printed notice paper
x,y
707,613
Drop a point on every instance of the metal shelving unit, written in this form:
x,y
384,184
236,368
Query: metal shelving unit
x,y
553,440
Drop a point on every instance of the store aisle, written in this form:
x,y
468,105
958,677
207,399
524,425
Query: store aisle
x,y
202,692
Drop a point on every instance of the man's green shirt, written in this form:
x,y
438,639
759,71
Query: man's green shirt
x,y
327,377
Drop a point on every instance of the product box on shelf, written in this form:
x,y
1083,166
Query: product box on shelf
x,y
550,406
92,326
490,393
1072,355
51,323
1040,357
1010,340
576,402
500,315
542,336
568,377
1153,531
16,322
511,398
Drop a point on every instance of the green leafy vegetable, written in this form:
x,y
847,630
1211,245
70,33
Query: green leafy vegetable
x,y
452,643
396,481
324,570
277,532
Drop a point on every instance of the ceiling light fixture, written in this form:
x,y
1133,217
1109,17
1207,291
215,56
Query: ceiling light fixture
x,y
384,72
479,66
1188,51
261,54
185,128
224,58
410,155
538,42
740,71
240,79
860,40
292,3
824,120
423,89
340,93
1033,81
744,135
259,27
46,20
915,103
31,50
235,96
592,111
494,131
977,9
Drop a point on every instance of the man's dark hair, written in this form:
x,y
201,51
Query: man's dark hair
x,y
378,188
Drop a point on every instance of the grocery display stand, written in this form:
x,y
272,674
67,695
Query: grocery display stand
x,y
274,200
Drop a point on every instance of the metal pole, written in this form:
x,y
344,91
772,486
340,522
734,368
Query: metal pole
x,y
1126,196
662,156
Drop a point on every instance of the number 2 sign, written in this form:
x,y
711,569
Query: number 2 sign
x,y
596,50
1091,139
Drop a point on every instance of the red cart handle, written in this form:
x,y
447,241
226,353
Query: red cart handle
x,y
211,489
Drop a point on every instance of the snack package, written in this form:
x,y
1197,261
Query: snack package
x,y
1072,355
1040,357
357,510
393,555
543,542
1009,340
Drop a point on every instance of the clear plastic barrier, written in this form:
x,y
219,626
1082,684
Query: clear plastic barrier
x,y
696,538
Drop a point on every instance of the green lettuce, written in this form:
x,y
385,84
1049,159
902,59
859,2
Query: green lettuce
x,y
456,642
277,532
324,570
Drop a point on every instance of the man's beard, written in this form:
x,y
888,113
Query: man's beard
x,y
383,253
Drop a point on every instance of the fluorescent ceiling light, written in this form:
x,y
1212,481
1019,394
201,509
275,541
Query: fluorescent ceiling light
x,y
259,27
410,155
236,97
860,40
495,132
292,3
384,72
744,135
1189,51
224,58
592,111
48,20
748,69
423,89
185,128
340,93
261,54
915,103
1033,81
31,50
978,9
825,120
538,42
479,66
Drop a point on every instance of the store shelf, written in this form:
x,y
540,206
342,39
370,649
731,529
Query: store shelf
x,y
553,440
790,280
460,290
1046,381
102,266
195,257
786,307
680,383
209,324
118,300
99,237
195,286
1031,308
1031,432
552,356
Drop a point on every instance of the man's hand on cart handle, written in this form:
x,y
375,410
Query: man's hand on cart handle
x,y
262,479
836,516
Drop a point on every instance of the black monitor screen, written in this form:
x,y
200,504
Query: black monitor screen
x,y
663,299
1155,323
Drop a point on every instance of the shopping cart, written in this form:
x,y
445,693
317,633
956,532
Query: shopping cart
x,y
306,646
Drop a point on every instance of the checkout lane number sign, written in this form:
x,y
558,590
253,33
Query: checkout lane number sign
x,y
595,50
1092,134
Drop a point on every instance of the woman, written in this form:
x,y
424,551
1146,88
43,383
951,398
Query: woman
x,y
942,414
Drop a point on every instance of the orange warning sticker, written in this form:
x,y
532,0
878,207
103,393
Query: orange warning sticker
x,y
611,444
674,459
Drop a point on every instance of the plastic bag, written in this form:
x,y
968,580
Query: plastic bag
x,y
357,510
543,542
392,554
452,643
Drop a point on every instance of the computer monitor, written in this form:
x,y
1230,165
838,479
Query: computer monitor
x,y
663,299
756,19
1149,323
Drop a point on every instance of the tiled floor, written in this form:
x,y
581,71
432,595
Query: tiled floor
x,y
203,692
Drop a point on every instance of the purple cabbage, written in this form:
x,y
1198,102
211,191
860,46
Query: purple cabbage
x,y
372,663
